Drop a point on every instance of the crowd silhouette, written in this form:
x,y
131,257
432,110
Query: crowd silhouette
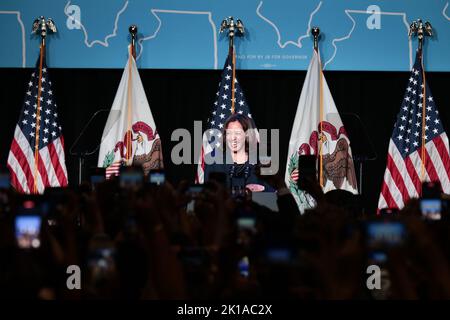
x,y
144,241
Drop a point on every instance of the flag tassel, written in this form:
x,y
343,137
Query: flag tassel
x,y
38,118
233,81
129,109
321,125
423,149
316,33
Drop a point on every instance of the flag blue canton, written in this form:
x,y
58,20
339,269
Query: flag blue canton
x,y
46,122
407,134
222,108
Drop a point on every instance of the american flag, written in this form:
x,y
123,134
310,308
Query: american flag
x,y
113,169
405,170
36,159
222,109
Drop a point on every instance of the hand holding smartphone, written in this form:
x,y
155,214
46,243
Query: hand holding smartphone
x,y
28,223
131,177
193,191
97,176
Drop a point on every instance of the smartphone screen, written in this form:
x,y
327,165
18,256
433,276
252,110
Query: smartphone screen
x,y
28,229
246,223
157,177
102,258
244,267
385,233
4,181
193,192
101,264
196,189
431,209
279,255
96,179
190,206
194,256
389,212
131,179
377,257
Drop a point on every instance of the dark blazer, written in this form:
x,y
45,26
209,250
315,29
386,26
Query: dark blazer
x,y
237,175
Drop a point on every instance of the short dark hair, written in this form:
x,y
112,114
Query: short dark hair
x,y
247,126
243,120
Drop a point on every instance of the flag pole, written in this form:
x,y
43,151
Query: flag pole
x,y
316,33
233,29
40,26
133,29
131,55
231,51
38,116
421,30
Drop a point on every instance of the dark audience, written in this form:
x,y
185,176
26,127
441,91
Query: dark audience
x,y
163,241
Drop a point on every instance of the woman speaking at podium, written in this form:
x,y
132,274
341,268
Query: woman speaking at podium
x,y
238,165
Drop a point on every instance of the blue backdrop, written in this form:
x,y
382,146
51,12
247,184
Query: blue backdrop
x,y
357,34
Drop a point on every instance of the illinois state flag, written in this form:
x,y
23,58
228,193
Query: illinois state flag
x,y
318,129
130,136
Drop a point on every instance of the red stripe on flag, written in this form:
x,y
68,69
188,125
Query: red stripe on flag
x,y
397,177
113,169
22,160
57,165
63,156
203,159
202,166
430,168
413,175
61,138
387,196
14,180
443,153
43,171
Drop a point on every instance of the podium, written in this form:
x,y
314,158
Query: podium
x,y
85,145
360,143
